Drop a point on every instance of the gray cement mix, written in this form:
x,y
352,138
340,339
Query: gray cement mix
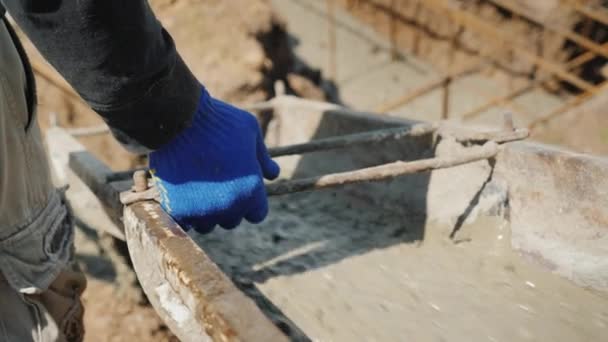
x,y
330,266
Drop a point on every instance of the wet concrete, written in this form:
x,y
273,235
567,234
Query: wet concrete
x,y
332,267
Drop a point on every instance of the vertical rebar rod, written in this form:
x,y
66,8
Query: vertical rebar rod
x,y
332,43
393,31
417,33
445,103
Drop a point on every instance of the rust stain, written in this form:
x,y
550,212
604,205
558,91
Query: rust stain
x,y
222,311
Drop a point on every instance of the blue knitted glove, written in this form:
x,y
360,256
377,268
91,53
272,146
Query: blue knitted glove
x,y
212,172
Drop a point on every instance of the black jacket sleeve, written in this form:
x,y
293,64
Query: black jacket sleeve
x,y
119,58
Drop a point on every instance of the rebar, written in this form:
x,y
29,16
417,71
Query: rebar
x,y
382,172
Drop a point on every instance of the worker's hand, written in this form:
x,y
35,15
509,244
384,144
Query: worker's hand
x,y
212,173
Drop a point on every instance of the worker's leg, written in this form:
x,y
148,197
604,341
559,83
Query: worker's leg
x,y
39,294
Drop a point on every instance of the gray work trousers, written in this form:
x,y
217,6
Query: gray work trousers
x,y
39,290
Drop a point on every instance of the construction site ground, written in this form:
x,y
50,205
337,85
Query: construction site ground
x,y
221,42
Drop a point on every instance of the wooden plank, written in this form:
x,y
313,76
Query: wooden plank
x,y
188,290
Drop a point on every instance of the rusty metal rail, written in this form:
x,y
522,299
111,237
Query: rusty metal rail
x,y
188,290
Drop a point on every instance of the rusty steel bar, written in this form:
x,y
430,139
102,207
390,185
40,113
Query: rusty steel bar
x,y
331,27
344,141
366,138
445,100
508,135
572,36
574,63
376,173
564,108
382,172
372,137
598,14
393,31
499,39
417,35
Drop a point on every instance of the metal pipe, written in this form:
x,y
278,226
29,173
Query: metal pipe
x,y
365,138
382,172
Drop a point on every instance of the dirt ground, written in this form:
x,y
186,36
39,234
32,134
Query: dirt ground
x,y
108,317
238,48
